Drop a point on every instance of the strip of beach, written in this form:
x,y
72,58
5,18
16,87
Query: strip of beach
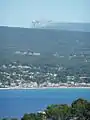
x,y
36,88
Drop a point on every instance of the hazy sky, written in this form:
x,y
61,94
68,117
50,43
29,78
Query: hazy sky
x,y
22,12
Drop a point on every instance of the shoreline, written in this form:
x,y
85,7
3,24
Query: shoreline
x,y
41,88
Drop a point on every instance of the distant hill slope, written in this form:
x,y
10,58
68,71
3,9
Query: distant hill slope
x,y
43,40
70,26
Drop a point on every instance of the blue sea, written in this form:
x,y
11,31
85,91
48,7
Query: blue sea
x,y
15,103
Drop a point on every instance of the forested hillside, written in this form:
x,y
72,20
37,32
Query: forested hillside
x,y
45,41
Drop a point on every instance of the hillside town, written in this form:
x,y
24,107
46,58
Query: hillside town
x,y
16,75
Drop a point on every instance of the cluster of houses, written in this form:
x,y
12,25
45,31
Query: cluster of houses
x,y
26,76
27,53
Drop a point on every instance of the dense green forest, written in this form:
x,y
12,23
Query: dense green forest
x,y
78,110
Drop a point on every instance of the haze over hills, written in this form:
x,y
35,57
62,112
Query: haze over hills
x,y
70,26
45,41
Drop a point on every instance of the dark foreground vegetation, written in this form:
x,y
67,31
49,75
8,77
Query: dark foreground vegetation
x,y
78,110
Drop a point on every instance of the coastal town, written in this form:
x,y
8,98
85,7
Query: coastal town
x,y
19,76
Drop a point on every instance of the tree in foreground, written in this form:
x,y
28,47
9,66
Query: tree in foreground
x,y
81,109
58,112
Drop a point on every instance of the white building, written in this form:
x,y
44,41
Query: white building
x,y
70,77
17,52
37,54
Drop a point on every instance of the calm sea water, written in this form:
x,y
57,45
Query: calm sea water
x,y
14,103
